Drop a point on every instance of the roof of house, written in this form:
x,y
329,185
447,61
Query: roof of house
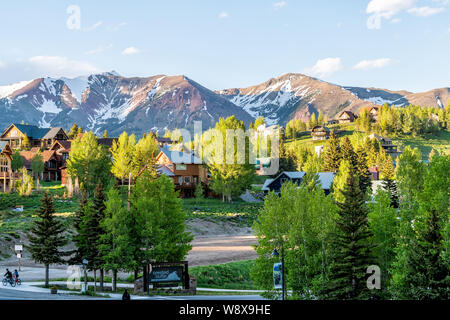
x,y
180,157
162,169
348,113
325,178
379,138
51,134
3,144
32,131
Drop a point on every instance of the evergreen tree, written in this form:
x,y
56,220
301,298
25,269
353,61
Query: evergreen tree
x,y
389,184
350,248
78,239
332,154
347,152
105,134
46,237
73,131
362,170
199,192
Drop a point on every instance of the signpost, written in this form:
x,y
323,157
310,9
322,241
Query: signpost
x,y
18,248
167,273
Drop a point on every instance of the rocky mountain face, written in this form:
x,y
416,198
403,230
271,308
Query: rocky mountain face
x,y
138,105
109,101
298,96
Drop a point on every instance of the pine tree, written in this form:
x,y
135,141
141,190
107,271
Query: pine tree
x,y
105,134
199,192
362,170
46,237
332,154
350,248
429,275
77,223
347,152
389,184
91,231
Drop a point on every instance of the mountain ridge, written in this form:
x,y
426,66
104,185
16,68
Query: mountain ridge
x,y
109,101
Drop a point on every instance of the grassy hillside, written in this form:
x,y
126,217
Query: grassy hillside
x,y
425,143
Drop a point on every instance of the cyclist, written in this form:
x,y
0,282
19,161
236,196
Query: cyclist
x,y
8,275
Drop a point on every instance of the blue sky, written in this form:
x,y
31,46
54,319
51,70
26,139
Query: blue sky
x,y
394,44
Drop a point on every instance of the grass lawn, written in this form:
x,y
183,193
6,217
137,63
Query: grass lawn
x,y
233,275
238,211
425,144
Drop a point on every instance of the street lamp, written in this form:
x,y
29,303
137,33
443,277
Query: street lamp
x,y
85,262
283,286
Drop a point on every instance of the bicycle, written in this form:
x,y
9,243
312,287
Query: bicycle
x,y
18,281
11,282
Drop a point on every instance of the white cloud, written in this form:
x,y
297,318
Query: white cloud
x,y
99,49
425,11
1,64
280,4
94,26
396,20
118,27
372,64
55,66
325,67
386,9
131,50
223,15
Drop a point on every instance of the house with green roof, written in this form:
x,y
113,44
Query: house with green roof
x,y
38,137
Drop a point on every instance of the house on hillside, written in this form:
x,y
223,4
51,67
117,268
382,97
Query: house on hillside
x,y
373,111
184,168
38,137
385,143
5,167
52,171
346,117
325,178
320,133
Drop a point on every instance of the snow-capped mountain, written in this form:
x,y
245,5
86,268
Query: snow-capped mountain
x,y
297,96
138,105
110,101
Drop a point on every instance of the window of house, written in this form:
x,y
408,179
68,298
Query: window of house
x,y
180,180
65,156
3,164
187,180
181,167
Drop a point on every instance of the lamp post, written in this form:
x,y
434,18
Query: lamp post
x,y
283,286
84,289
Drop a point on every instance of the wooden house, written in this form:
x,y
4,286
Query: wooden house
x,y
184,168
38,137
51,163
5,167
373,111
320,133
385,143
346,117
325,178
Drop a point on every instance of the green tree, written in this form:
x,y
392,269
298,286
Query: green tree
x,y
90,162
362,170
46,237
350,247
229,178
26,145
340,181
16,164
105,134
25,185
37,167
259,121
73,131
347,152
123,153
332,154
383,224
199,193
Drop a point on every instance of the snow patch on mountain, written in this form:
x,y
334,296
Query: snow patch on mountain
x,y
77,86
6,91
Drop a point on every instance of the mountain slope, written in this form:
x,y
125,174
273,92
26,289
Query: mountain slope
x,y
109,101
293,96
298,96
